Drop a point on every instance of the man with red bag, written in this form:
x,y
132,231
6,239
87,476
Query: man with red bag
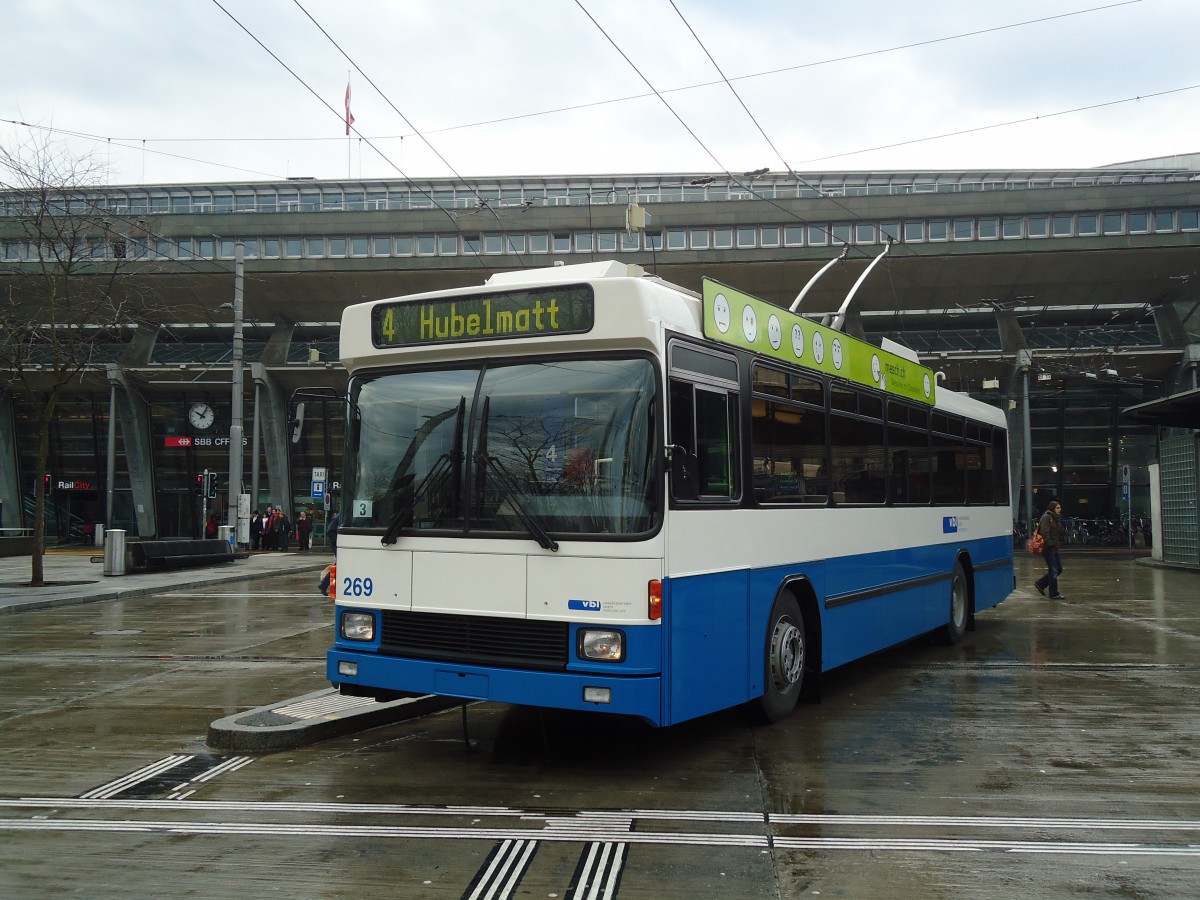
x,y
1050,529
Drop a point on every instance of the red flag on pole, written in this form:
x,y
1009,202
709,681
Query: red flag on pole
x,y
349,115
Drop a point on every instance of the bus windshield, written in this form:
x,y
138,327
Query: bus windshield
x,y
556,447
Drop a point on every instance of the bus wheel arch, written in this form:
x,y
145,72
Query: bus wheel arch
x,y
792,652
961,614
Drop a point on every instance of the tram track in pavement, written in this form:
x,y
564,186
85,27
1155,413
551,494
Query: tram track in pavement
x,y
748,829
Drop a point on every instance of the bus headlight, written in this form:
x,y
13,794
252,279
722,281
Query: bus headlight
x,y
358,626
605,645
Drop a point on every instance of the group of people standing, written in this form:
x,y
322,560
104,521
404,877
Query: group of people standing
x,y
273,530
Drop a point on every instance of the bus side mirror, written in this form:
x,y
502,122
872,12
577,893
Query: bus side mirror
x,y
685,479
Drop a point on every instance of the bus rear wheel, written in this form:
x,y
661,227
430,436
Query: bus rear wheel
x,y
960,600
786,660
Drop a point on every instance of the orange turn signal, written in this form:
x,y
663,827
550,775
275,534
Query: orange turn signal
x,y
333,581
654,599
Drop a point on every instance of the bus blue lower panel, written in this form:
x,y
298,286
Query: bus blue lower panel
x,y
632,696
713,638
706,619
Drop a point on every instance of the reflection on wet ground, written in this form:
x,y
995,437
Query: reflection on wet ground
x,y
1052,753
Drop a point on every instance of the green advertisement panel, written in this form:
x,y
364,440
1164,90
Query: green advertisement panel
x,y
737,318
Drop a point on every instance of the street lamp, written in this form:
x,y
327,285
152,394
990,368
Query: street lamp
x,y
235,420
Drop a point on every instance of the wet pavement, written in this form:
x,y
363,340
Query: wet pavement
x,y
1051,754
76,575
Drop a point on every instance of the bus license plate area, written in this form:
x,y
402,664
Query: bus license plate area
x,y
460,684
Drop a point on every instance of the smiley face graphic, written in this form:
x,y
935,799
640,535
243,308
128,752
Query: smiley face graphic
x,y
721,314
927,386
876,368
774,332
798,341
836,351
749,323
818,347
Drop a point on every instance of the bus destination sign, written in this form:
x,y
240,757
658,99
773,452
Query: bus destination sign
x,y
537,312
736,318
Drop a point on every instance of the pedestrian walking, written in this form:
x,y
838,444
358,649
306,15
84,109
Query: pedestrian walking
x,y
1050,528
331,530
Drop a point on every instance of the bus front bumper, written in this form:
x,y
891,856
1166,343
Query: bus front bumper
x,y
639,695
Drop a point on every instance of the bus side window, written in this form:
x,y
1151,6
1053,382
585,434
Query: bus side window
x,y
702,432
685,478
714,441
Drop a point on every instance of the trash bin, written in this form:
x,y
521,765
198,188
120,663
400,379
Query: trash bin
x,y
225,533
99,535
114,552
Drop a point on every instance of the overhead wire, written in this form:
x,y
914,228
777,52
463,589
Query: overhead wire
x,y
106,215
1021,121
788,212
119,142
658,93
350,126
613,100
926,42
771,143
404,118
891,273
720,165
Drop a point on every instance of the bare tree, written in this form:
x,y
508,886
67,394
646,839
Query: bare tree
x,y
67,291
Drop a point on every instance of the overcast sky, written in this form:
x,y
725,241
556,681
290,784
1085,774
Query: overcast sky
x,y
179,91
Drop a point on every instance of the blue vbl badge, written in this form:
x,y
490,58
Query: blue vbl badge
x,y
949,524
589,605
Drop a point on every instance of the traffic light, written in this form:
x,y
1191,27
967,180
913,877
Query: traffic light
x,y
199,485
211,486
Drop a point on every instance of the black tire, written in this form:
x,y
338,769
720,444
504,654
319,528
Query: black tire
x,y
786,660
960,608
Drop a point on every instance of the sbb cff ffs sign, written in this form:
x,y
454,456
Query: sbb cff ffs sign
x,y
185,441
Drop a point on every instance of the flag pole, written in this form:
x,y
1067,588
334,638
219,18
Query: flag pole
x,y
349,122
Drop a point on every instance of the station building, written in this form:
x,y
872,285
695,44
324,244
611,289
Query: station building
x,y
1067,294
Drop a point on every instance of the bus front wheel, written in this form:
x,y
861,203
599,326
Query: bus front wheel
x,y
960,600
786,651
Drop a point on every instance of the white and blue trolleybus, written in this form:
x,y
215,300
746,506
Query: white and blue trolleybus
x,y
586,488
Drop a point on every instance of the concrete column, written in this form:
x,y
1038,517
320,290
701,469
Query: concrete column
x,y
273,422
134,419
271,413
10,486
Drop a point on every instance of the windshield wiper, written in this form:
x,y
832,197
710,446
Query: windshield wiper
x,y
446,466
435,479
512,492
532,525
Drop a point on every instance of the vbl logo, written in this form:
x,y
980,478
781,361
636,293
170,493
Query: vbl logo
x,y
949,524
